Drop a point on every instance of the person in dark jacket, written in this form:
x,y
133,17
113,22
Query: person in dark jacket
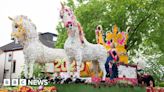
x,y
112,58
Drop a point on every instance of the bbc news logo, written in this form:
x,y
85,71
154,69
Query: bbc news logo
x,y
24,82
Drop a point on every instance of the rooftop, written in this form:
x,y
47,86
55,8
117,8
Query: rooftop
x,y
45,38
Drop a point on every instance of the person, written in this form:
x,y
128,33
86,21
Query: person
x,y
114,73
99,35
149,80
113,57
146,80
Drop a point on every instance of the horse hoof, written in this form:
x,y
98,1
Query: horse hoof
x,y
68,80
78,80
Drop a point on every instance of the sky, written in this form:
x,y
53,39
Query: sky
x,y
43,13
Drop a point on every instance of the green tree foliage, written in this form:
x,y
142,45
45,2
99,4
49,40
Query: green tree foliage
x,y
150,53
62,35
143,16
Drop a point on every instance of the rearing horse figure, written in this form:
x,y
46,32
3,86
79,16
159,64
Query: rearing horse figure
x,y
77,47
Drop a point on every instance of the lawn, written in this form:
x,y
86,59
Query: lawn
x,y
90,88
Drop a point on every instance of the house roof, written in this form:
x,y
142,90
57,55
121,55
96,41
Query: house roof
x,y
45,38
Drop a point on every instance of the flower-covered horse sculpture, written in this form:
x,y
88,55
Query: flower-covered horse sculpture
x,y
77,47
24,32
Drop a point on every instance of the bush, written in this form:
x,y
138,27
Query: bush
x,y
161,84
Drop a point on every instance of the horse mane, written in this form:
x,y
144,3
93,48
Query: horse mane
x,y
26,18
74,20
81,33
28,26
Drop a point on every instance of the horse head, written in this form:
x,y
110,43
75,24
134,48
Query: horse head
x,y
67,16
70,22
22,29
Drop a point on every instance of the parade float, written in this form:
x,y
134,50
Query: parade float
x,y
77,48
121,71
79,58
24,32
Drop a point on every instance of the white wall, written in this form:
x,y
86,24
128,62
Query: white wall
x,y
19,58
2,59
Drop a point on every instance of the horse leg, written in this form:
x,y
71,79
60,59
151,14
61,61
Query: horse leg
x,y
68,64
78,59
26,69
102,67
95,68
31,69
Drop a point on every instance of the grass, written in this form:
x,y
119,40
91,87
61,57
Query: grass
x,y
90,88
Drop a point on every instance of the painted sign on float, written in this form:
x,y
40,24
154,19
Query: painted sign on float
x,y
86,68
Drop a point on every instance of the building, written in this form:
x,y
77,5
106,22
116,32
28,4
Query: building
x,y
12,57
1,66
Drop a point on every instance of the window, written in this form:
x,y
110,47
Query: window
x,y
54,39
14,66
10,58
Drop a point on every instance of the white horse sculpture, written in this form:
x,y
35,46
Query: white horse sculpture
x,y
77,47
24,32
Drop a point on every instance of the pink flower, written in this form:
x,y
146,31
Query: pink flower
x,y
96,79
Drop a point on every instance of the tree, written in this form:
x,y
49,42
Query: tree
x,y
62,36
145,18
150,53
140,15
